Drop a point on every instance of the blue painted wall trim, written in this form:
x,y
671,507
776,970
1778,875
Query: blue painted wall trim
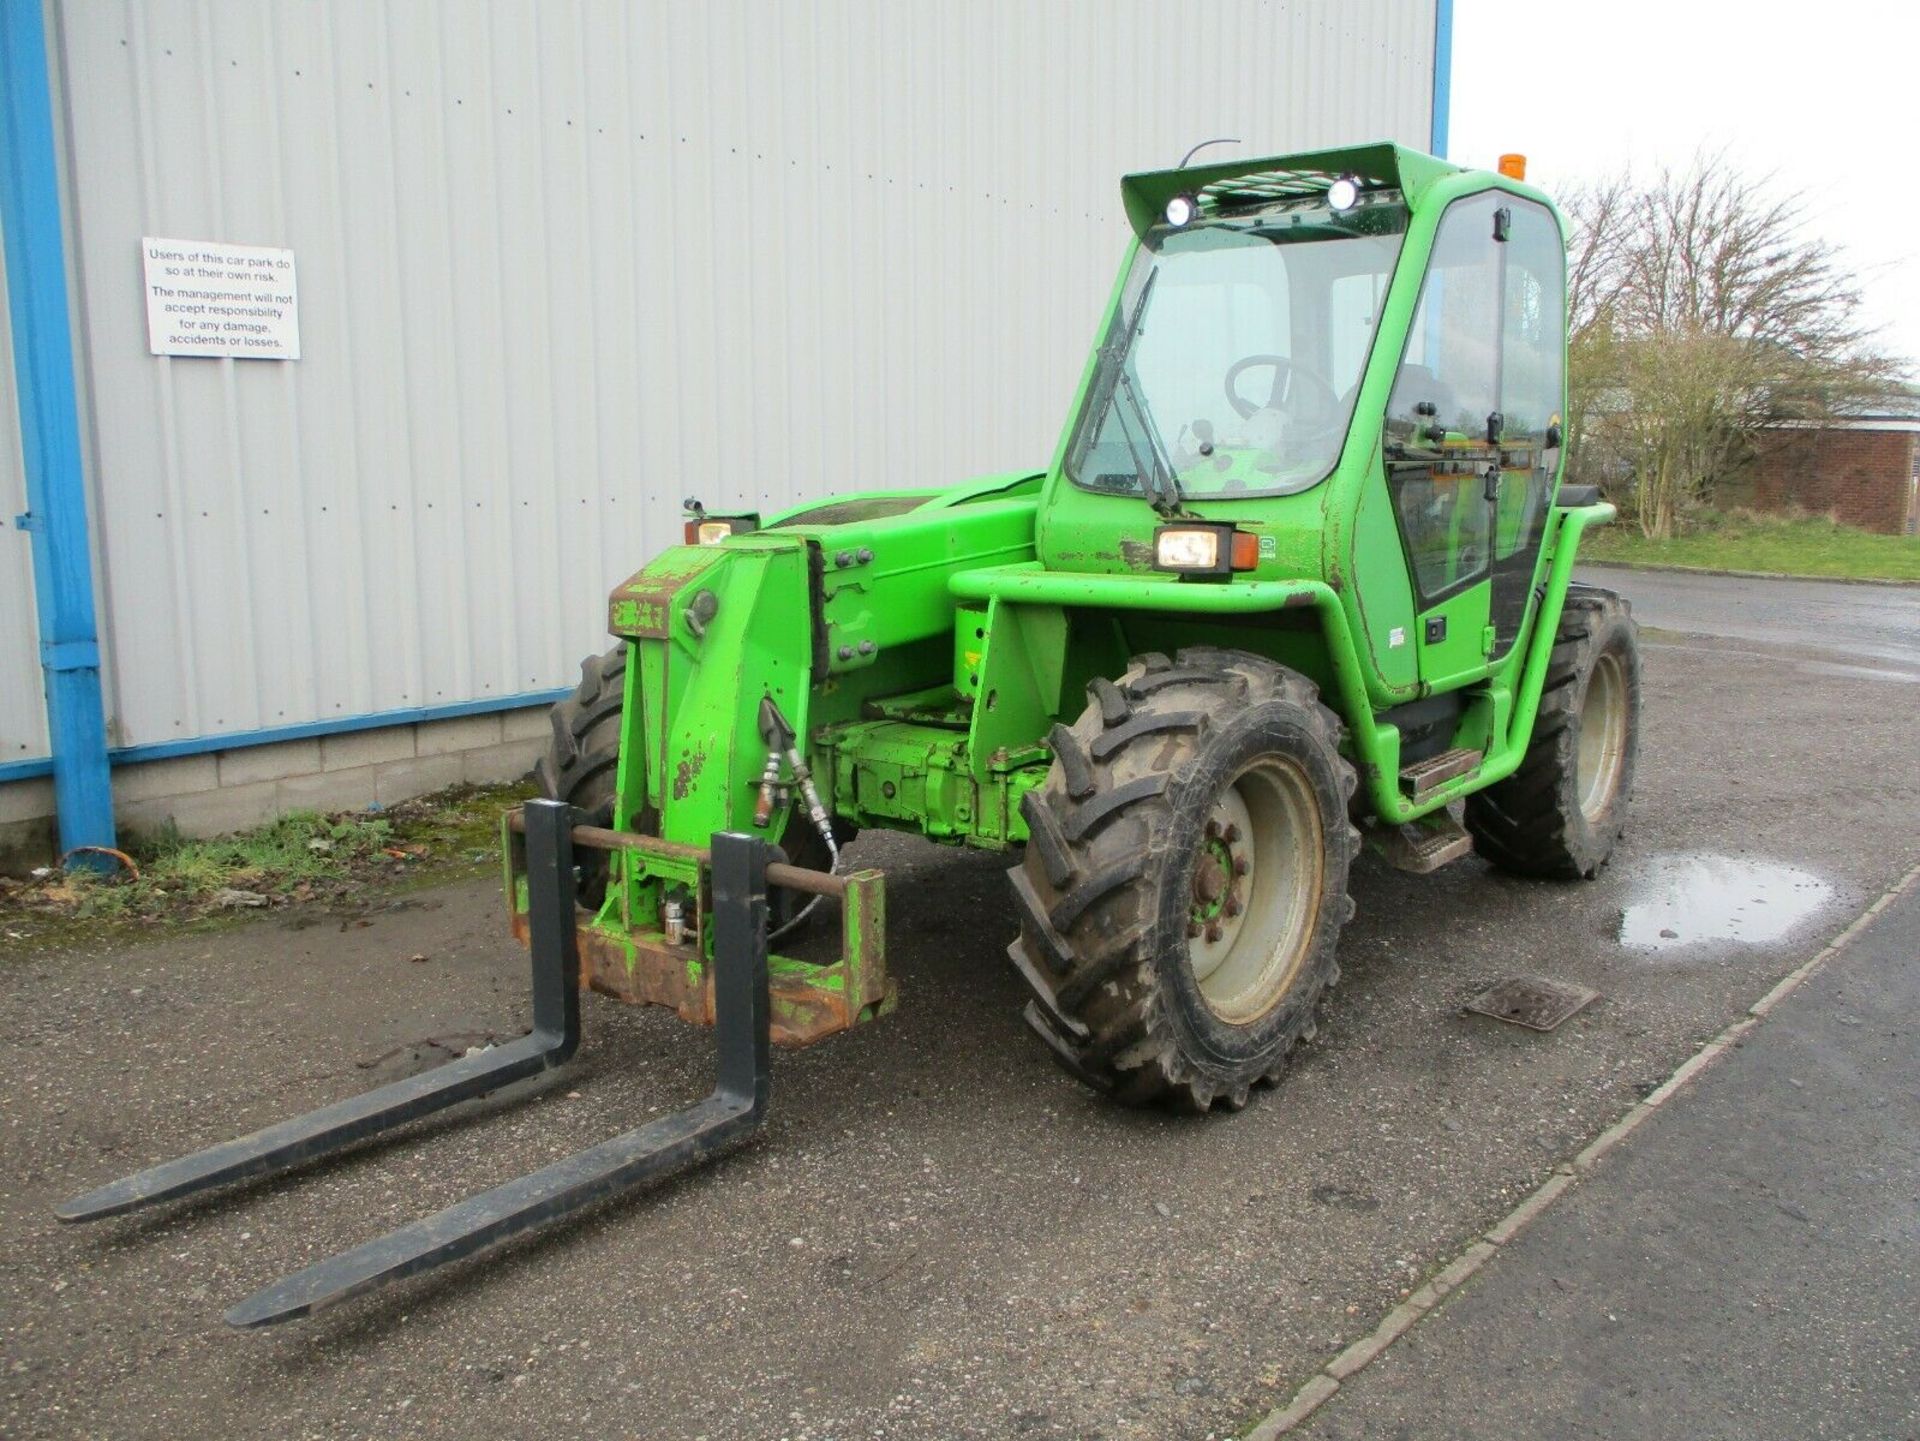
x,y
56,515
1442,74
237,740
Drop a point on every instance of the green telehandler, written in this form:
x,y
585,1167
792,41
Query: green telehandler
x,y
1297,577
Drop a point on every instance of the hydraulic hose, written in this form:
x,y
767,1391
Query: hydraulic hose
x,y
775,729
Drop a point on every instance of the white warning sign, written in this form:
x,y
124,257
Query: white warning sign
x,y
204,298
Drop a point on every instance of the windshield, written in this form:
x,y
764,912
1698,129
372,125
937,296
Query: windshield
x,y
1235,353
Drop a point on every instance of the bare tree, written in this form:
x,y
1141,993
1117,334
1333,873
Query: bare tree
x,y
1702,308
1594,262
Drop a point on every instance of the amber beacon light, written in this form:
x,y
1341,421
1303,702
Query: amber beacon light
x,y
1514,167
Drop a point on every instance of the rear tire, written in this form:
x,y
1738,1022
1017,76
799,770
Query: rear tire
x,y
1561,814
1185,883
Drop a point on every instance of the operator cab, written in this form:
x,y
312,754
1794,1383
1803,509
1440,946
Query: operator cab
x,y
1226,392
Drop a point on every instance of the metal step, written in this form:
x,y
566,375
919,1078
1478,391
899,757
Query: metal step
x,y
1422,778
736,1107
1422,846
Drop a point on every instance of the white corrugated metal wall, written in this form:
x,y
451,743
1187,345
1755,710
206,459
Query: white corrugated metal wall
x,y
23,712
563,263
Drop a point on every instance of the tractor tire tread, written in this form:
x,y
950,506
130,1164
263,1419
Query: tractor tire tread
x,y
1070,907
1152,723
1086,933
1044,833
1145,684
1530,824
1102,804
1113,703
1075,765
1043,997
1058,953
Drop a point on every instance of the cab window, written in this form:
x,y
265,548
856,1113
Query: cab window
x,y
1447,387
1533,335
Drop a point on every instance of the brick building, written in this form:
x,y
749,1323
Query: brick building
x,y
1864,470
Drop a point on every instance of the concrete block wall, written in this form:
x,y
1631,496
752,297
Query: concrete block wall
x,y
222,791
26,824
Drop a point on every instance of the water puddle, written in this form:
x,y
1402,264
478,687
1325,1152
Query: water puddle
x,y
1860,672
1690,900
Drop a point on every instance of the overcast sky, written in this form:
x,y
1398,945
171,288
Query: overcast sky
x,y
1825,97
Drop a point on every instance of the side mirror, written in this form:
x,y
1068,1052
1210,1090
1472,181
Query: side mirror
x,y
1553,435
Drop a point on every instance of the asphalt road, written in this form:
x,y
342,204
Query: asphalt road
x,y
939,1234
1826,627
1744,1266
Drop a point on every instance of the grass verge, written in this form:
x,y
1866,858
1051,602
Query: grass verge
x,y
1746,540
300,859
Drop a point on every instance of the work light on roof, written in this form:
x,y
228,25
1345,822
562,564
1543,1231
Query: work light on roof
x,y
1182,209
1344,193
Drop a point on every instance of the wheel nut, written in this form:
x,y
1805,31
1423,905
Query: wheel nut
x,y
1240,866
1193,929
1213,930
1230,834
1232,906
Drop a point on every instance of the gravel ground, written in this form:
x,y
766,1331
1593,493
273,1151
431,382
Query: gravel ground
x,y
939,1234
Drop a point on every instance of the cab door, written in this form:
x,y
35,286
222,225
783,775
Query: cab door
x,y
1475,402
1533,353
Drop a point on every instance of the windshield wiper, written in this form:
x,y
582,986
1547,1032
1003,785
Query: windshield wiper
x,y
1155,474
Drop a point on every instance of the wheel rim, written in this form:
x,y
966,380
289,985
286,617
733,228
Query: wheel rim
x,y
1256,890
1603,736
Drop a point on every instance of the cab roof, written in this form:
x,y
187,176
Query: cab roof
x,y
1230,183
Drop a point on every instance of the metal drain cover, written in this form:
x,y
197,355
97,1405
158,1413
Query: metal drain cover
x,y
1532,1001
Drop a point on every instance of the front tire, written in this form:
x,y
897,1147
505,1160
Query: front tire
x,y
583,758
1561,814
1185,883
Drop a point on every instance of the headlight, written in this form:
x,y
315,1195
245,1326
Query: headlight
x,y
1205,549
712,529
1187,548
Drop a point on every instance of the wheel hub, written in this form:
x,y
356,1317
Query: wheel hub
x,y
1218,880
1255,889
1602,746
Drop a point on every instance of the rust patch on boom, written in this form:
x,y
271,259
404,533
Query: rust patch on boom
x,y
687,773
640,606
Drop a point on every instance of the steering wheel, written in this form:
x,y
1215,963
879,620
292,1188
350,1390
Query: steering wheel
x,y
1289,380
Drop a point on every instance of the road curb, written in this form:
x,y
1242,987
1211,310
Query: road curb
x,y
1748,574
1362,1353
